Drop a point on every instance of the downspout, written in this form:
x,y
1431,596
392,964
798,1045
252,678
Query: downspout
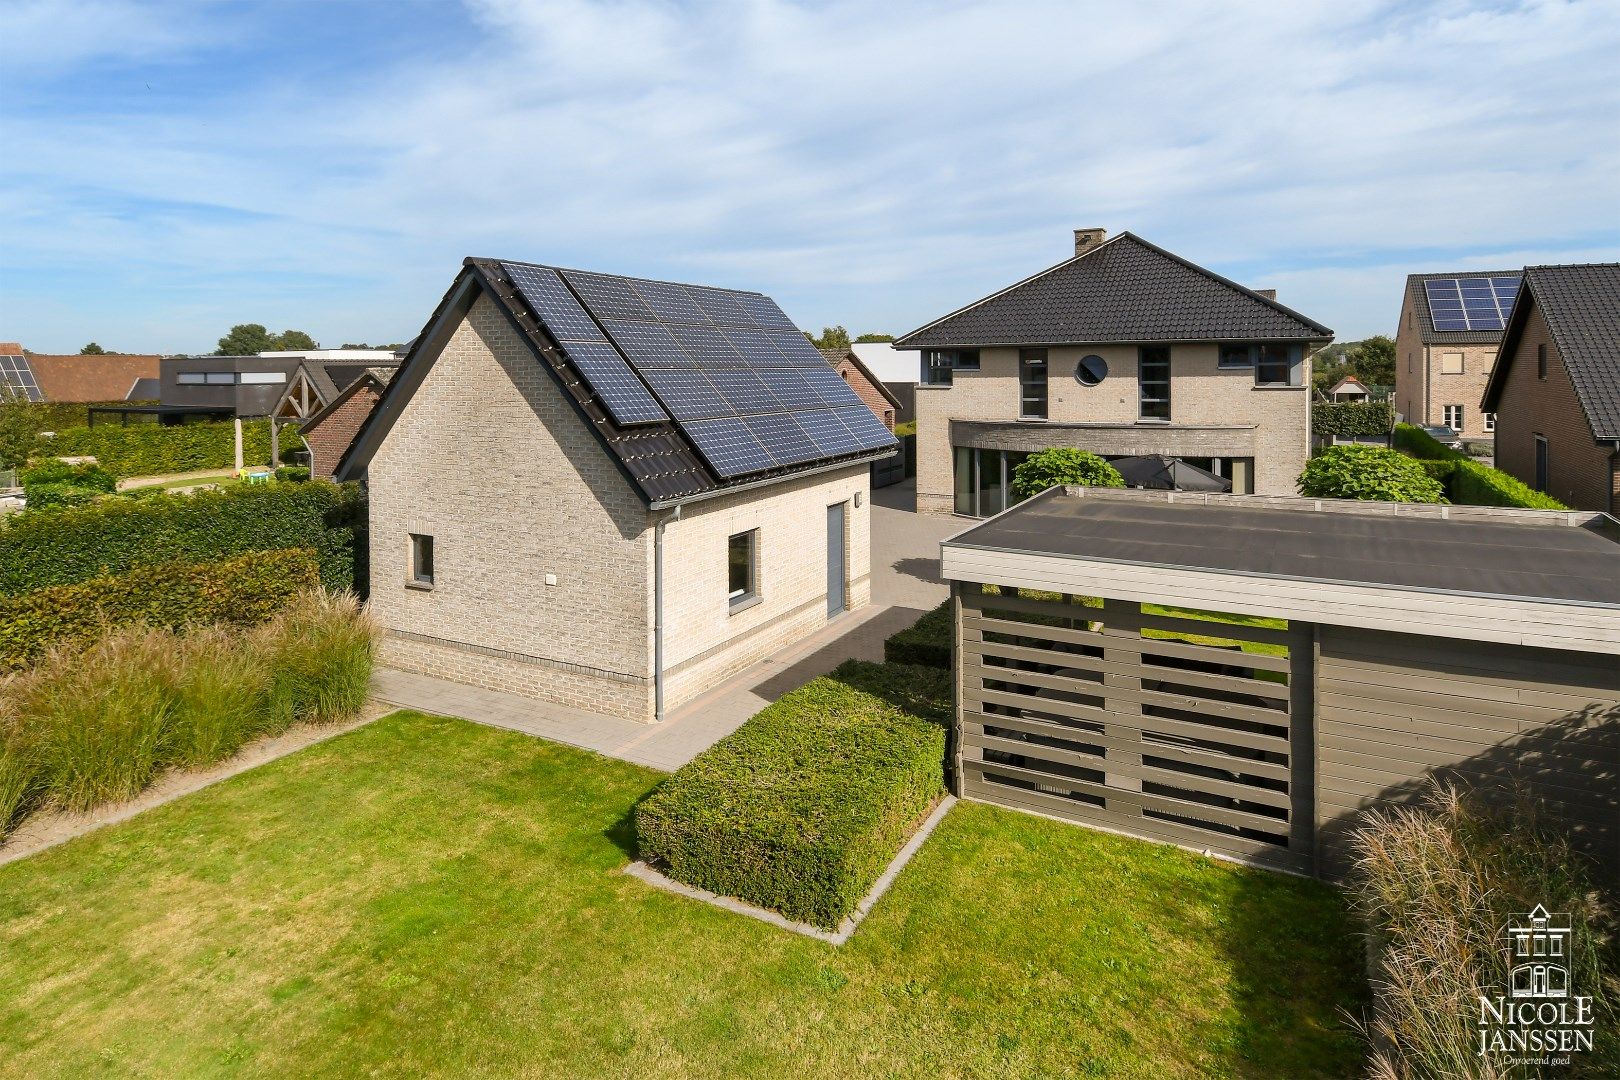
x,y
658,612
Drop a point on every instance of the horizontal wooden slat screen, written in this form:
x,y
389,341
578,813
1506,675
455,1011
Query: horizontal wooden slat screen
x,y
1151,722
1396,712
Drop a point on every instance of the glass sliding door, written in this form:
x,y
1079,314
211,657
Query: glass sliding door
x,y
964,485
992,486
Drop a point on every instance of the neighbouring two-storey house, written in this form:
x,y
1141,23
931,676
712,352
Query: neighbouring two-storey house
x,y
1124,350
1556,387
608,492
1449,334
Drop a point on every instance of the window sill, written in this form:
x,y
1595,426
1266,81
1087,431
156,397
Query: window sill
x,y
745,603
933,386
1153,423
1275,386
1034,419
420,586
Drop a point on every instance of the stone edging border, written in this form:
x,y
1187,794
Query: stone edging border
x,y
642,872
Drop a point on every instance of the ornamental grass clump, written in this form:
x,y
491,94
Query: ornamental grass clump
x,y
320,651
1435,885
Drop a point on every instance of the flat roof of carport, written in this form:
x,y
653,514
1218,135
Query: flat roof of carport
x,y
1472,551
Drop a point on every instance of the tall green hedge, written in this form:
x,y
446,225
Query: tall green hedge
x,y
156,449
38,551
1468,483
56,415
1347,418
926,642
800,809
241,591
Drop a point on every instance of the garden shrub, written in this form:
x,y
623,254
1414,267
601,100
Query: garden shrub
x,y
1473,484
1368,472
1060,466
242,590
1435,884
156,449
293,472
801,808
1438,469
117,535
1413,440
1350,418
59,496
87,726
53,484
926,642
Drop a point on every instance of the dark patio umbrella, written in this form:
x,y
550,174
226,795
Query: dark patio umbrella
x,y
1167,473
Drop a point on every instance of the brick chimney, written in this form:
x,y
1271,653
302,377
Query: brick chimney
x,y
1086,239
1269,294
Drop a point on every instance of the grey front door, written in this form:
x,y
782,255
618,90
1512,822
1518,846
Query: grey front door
x,y
835,559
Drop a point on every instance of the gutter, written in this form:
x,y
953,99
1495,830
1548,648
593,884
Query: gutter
x,y
664,504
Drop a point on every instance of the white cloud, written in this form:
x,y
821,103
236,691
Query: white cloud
x,y
874,164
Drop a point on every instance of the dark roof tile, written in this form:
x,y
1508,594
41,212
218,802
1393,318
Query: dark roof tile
x,y
1581,304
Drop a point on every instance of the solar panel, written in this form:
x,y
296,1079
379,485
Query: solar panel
x,y
605,372
707,346
765,312
686,393
16,373
608,296
797,349
721,306
671,302
745,391
828,431
782,437
728,446
867,429
1470,303
648,345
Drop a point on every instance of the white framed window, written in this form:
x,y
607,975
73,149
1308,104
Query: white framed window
x,y
1489,420
1454,417
263,377
742,568
1451,363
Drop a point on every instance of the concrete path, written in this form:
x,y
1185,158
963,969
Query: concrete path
x,y
905,584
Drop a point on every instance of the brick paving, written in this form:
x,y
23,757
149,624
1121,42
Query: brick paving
x,y
905,583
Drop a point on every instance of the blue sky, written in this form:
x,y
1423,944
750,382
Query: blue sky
x,y
167,170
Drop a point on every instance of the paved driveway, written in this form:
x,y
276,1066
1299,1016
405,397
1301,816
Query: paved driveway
x,y
905,583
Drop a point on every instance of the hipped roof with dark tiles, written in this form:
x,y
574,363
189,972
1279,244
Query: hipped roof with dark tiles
x,y
1418,297
1123,290
1581,304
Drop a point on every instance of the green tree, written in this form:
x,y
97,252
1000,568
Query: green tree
x,y
92,349
868,338
18,427
1056,467
832,337
1368,472
246,339
1373,361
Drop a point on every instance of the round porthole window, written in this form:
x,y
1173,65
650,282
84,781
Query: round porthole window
x,y
1091,370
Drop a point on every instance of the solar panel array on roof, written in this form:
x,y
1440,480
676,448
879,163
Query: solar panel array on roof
x,y
15,373
740,380
1471,303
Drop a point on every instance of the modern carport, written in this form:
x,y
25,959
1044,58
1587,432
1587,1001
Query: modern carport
x,y
1358,650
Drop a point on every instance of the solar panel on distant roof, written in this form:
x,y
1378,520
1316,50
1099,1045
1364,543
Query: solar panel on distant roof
x,y
16,373
1470,303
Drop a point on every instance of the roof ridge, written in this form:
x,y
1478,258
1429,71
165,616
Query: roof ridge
x,y
603,273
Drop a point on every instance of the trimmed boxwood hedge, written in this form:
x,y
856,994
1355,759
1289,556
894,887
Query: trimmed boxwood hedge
x,y
241,591
1468,483
1350,418
926,641
801,808
38,551
157,449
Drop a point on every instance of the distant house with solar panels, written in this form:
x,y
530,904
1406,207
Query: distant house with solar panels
x,y
76,377
1124,350
609,492
1450,330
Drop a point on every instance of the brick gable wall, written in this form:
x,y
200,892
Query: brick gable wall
x,y
331,436
868,393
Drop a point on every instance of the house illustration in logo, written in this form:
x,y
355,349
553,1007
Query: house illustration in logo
x,y
1540,948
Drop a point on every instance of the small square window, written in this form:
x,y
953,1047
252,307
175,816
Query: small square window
x,y
421,561
1236,356
1451,363
1278,365
1489,420
742,566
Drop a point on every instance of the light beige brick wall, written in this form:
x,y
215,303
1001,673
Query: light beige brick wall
x,y
1201,394
1423,388
490,460
705,642
1580,471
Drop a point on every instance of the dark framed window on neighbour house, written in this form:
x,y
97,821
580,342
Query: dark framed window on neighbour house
x,y
1279,365
1153,382
1236,356
1541,361
421,561
939,366
742,568
1032,383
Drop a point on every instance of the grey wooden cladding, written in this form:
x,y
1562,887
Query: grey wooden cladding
x,y
1089,713
1396,710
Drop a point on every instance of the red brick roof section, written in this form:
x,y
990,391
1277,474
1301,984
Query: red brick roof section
x,y
107,377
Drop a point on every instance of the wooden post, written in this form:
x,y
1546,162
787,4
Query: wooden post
x,y
238,444
275,445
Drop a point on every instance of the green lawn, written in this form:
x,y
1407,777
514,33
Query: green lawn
x,y
429,897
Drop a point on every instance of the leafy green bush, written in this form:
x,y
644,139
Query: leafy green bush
x,y
293,472
1347,418
801,808
156,449
1436,884
57,415
59,496
1473,484
88,475
1368,472
1418,443
116,535
242,590
926,642
1060,466
87,726
1440,470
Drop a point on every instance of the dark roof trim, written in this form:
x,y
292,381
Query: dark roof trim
x,y
1324,334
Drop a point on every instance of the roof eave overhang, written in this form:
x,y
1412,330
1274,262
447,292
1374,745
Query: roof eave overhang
x,y
779,478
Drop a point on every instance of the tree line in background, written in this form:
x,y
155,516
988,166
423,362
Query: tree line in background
x,y
836,337
1371,360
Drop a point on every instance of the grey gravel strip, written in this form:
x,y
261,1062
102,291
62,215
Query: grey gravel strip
x,y
643,872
